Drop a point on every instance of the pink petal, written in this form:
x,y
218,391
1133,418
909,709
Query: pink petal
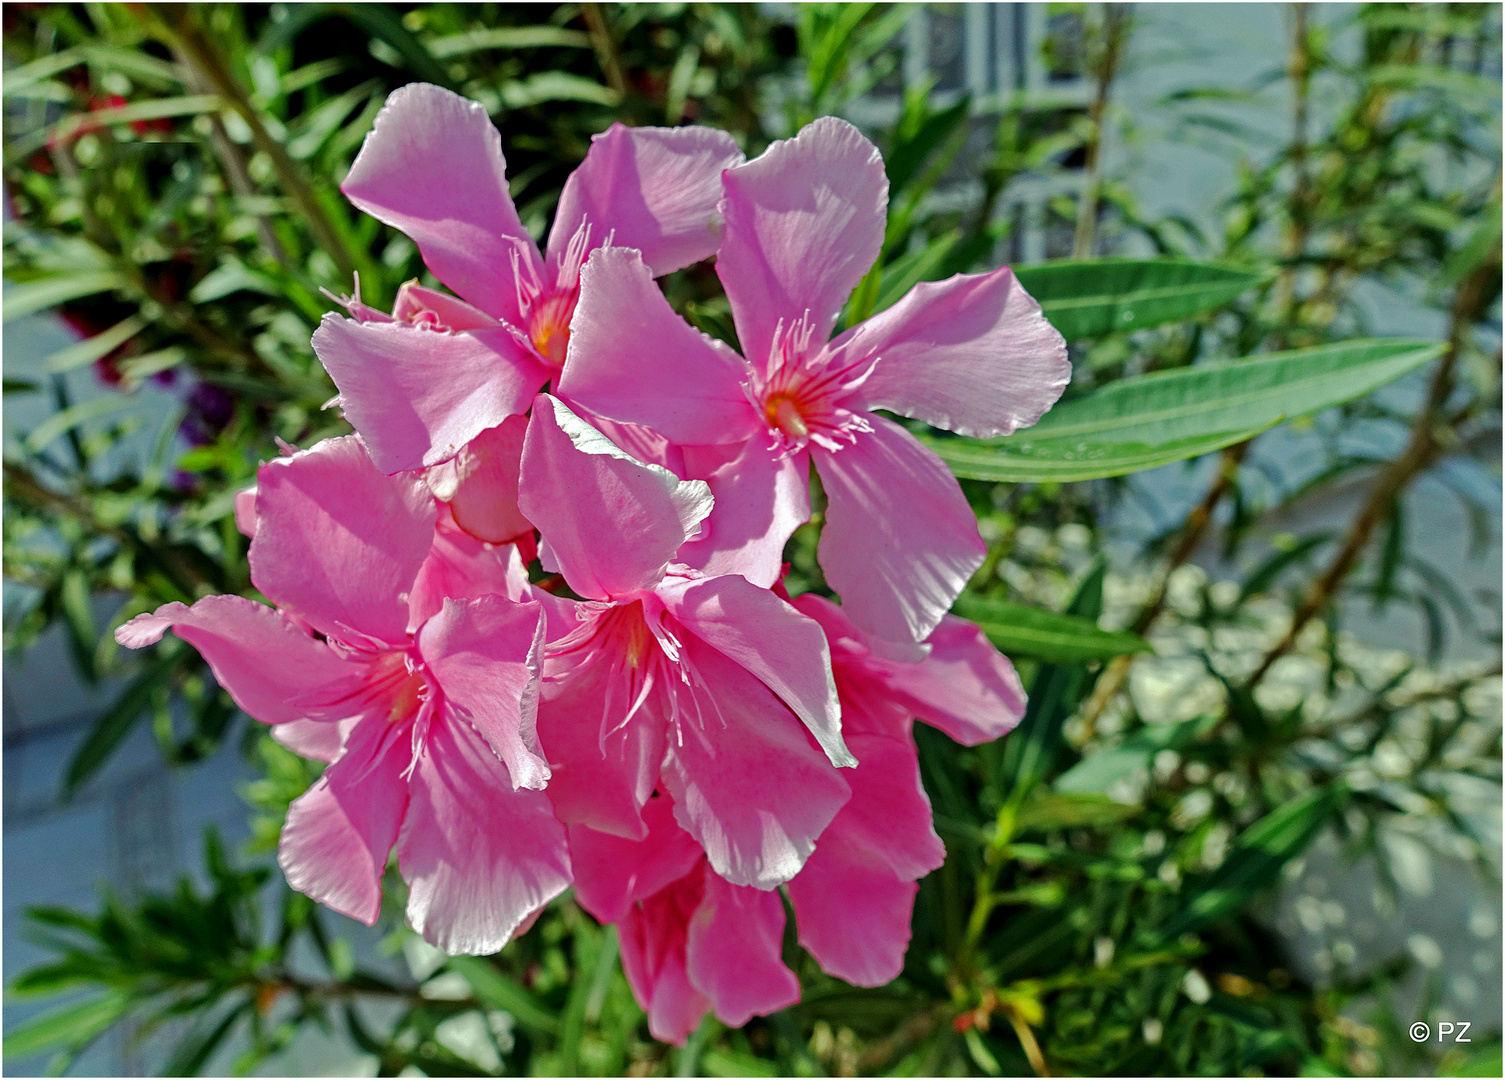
x,y
486,655
771,640
747,782
478,857
611,872
967,688
460,567
416,395
633,359
804,222
334,845
900,540
734,952
600,781
760,499
653,958
853,913
272,669
317,740
484,500
245,511
611,523
972,354
889,814
433,167
653,189
339,543
416,303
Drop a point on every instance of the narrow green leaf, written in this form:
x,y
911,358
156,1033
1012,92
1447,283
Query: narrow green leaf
x,y
100,345
734,1063
382,22
112,728
1046,809
75,123
1101,770
197,1047
1255,861
906,271
546,86
507,37
500,992
34,296
905,158
1025,631
70,1024
60,422
1104,296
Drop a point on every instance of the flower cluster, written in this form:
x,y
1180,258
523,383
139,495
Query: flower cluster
x,y
657,721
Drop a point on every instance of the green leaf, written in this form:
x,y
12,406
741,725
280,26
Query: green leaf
x,y
1149,420
734,1063
1101,770
60,422
47,292
100,345
112,728
546,86
1105,296
1257,856
1070,810
500,992
382,22
507,37
197,1047
906,271
71,1024
1025,631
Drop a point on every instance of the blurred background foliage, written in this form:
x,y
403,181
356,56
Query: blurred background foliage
x,y
1105,907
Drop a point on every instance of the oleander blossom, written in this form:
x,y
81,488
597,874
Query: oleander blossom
x,y
715,689
422,382
425,704
973,354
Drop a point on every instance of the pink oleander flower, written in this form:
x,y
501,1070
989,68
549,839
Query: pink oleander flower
x,y
421,383
973,354
693,942
663,676
425,704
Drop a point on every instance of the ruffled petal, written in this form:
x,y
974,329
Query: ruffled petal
x,y
334,845
460,567
748,783
338,543
484,499
317,740
760,499
650,188
853,913
478,857
972,354
900,540
611,524
611,872
771,640
734,952
433,167
417,396
631,358
966,687
653,958
889,814
272,669
804,222
486,655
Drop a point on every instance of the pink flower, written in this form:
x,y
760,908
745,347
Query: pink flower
x,y
421,384
427,703
973,354
670,678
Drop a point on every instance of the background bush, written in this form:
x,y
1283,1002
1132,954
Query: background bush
x,y
1105,904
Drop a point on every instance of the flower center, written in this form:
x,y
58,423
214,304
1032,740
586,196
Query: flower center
x,y
784,414
549,326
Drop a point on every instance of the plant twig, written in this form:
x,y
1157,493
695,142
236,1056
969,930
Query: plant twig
x,y
605,46
1115,32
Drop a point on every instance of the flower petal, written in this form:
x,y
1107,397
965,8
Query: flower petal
x,y
853,913
653,959
484,500
339,543
316,740
650,188
460,567
478,857
631,358
771,640
734,952
272,669
747,782
433,167
972,354
611,523
804,222
417,396
900,540
486,655
966,687
611,872
760,499
889,814
334,845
